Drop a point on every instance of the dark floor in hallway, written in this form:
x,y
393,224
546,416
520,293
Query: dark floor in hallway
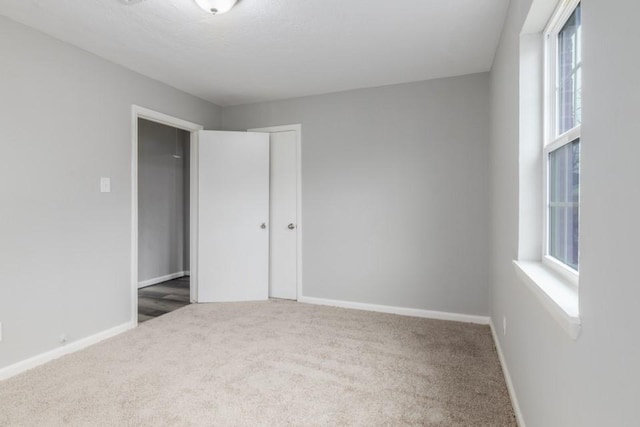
x,y
156,300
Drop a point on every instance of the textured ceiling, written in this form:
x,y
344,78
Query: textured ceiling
x,y
274,49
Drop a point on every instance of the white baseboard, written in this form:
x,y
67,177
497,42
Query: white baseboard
x,y
507,377
403,311
72,347
161,279
187,273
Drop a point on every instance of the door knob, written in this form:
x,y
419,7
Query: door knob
x,y
263,225
291,226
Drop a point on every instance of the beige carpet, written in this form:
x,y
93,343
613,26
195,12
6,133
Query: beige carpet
x,y
270,364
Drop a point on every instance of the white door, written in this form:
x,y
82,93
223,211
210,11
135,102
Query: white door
x,y
233,216
283,208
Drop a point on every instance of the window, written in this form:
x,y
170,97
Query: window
x,y
561,152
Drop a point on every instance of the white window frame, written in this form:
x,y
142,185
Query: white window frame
x,y
551,141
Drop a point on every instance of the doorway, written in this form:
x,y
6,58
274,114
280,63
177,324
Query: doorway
x,y
285,214
164,233
217,148
163,219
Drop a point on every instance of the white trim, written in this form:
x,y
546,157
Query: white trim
x,y
156,280
71,347
507,378
138,112
560,16
402,311
297,128
561,268
165,119
194,147
557,295
564,139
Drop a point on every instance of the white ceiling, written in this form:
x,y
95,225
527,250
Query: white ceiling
x,y
275,49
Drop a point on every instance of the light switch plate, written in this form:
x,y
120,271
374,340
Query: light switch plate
x,y
105,185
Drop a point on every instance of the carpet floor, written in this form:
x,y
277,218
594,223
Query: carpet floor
x,y
272,363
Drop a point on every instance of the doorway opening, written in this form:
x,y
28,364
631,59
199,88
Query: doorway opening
x,y
164,228
163,219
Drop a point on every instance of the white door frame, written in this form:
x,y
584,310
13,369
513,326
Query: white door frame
x,y
298,130
138,112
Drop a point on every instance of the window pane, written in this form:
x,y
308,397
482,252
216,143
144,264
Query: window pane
x,y
564,202
569,96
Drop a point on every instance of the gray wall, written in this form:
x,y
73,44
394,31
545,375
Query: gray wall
x,y
163,188
395,184
592,381
65,121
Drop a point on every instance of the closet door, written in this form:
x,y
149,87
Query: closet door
x,y
233,216
283,213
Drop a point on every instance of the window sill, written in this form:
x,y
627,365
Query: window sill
x,y
557,294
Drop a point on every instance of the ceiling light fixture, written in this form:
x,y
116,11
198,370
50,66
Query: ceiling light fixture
x,y
216,7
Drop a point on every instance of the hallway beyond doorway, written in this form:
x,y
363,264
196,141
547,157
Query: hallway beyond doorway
x,y
156,300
